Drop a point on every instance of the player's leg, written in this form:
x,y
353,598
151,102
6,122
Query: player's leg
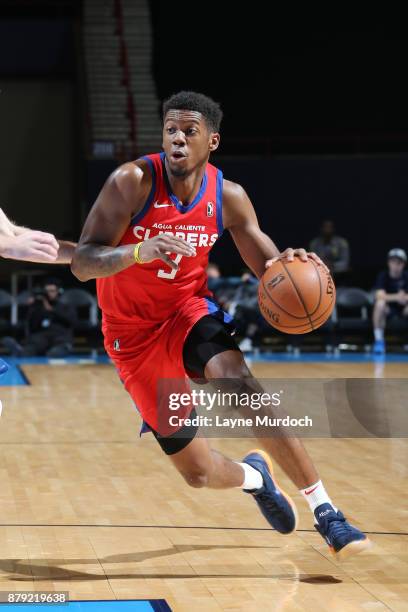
x,y
380,312
212,353
287,451
202,466
217,357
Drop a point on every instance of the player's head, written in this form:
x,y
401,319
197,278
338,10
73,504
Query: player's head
x,y
397,259
191,123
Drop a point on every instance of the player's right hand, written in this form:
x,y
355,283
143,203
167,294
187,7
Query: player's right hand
x,y
30,245
161,246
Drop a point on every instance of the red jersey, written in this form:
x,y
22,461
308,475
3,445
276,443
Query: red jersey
x,y
152,291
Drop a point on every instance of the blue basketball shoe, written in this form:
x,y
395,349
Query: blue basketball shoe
x,y
276,506
3,367
343,539
379,347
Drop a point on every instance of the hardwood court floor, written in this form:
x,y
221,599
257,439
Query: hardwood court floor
x,y
87,506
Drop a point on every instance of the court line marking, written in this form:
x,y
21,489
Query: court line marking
x,y
396,533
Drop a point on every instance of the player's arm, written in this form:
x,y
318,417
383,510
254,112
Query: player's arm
x,y
123,195
254,246
25,244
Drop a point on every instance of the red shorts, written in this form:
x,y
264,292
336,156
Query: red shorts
x,y
147,353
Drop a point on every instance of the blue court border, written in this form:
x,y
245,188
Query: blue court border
x,y
15,376
94,605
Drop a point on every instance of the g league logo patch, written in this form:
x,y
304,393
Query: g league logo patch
x,y
210,209
276,280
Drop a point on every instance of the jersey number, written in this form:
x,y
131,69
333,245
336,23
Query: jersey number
x,y
172,273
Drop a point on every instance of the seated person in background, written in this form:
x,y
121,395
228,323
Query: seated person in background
x,y
247,316
391,298
49,325
223,287
25,244
213,275
332,249
238,295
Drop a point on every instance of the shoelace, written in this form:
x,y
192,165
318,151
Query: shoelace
x,y
337,526
269,504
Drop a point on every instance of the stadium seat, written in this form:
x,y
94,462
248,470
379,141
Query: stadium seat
x,y
85,306
6,302
87,332
352,314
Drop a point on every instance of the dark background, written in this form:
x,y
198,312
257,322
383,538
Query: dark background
x,y
315,120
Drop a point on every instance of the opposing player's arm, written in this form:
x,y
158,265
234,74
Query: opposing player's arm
x,y
254,246
123,195
25,244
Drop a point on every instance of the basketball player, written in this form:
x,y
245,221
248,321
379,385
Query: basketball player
x,y
146,241
31,245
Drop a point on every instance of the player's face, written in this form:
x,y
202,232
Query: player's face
x,y
187,141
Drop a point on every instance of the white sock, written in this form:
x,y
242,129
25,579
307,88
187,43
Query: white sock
x,y
252,478
378,333
315,495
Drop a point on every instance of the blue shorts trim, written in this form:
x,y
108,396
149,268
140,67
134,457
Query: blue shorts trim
x,y
214,308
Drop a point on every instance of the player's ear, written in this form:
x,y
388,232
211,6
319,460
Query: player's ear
x,y
214,141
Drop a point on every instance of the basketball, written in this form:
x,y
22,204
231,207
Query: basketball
x,y
296,297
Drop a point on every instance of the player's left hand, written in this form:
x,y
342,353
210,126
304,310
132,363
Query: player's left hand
x,y
289,255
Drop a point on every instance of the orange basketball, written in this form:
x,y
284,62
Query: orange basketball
x,y
296,297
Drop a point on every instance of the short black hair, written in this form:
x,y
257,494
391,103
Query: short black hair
x,y
193,101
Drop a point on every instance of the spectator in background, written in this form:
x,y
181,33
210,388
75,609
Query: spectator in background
x,y
238,295
391,297
332,249
49,325
223,287
213,275
248,318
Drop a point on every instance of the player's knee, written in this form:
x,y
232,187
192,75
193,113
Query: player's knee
x,y
197,477
236,373
241,372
